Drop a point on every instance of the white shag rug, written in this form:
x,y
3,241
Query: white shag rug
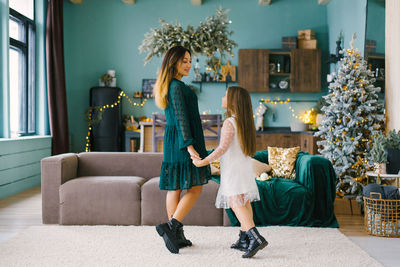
x,y
55,245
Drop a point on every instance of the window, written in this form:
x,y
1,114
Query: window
x,y
22,68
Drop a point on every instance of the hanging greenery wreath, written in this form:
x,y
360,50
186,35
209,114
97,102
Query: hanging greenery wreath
x,y
211,37
91,112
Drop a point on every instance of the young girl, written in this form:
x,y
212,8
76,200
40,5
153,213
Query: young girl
x,y
238,187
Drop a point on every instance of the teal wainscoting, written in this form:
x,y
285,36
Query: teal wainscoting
x,y
20,163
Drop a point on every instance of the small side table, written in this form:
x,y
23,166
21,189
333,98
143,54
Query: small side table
x,y
128,135
381,177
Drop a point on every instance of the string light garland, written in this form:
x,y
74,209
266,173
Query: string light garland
x,y
306,117
101,110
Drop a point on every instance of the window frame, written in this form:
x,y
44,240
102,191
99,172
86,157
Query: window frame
x,y
28,124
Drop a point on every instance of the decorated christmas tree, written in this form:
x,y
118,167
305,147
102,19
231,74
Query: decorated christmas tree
x,y
353,116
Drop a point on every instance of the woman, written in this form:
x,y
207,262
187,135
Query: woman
x,y
183,140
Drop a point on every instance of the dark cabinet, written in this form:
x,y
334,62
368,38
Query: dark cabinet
x,y
253,69
306,70
306,142
258,70
107,134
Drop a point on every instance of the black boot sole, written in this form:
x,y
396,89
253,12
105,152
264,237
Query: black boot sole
x,y
183,245
168,243
251,254
241,249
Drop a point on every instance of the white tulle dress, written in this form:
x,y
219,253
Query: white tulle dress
x,y
237,179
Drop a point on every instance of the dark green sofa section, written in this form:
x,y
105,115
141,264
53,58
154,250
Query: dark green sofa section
x,y
306,201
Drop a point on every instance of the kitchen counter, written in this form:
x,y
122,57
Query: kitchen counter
x,y
284,130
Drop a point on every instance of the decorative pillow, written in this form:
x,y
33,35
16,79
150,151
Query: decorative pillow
x,y
215,167
260,167
282,161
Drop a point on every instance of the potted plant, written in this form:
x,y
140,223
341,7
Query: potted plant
x,y
378,154
393,152
385,152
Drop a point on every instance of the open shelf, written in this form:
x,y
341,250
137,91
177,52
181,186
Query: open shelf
x,y
280,74
224,82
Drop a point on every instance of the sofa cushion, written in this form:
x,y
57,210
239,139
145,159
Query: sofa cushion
x,y
282,161
203,213
146,165
91,200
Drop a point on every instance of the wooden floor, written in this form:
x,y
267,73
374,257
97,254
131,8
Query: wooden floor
x,y
25,209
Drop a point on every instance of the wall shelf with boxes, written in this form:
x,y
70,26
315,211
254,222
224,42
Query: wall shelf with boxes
x,y
299,70
294,68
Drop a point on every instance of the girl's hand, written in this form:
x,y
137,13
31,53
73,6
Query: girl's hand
x,y
193,153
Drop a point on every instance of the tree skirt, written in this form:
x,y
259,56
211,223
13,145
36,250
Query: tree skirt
x,y
55,245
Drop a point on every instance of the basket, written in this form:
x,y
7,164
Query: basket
x,y
382,216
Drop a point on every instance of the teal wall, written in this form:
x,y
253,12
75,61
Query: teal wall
x,y
349,16
102,34
20,163
376,24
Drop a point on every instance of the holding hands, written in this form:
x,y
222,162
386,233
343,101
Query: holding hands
x,y
197,161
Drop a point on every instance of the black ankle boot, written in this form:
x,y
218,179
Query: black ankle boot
x,y
182,241
256,242
168,231
243,243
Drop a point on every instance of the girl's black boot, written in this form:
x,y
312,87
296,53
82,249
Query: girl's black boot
x,y
243,243
256,243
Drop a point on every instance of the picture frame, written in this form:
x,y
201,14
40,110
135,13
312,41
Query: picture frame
x,y
147,87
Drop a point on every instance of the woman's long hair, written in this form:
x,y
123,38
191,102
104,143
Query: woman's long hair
x,y
167,72
239,105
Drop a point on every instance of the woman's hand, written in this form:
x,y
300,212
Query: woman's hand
x,y
193,153
200,163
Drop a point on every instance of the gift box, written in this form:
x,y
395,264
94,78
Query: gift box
x,y
306,34
289,42
308,44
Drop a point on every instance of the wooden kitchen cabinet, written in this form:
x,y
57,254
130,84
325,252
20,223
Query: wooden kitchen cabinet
x,y
306,69
253,69
306,142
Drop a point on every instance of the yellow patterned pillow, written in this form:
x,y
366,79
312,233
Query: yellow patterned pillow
x,y
215,167
282,161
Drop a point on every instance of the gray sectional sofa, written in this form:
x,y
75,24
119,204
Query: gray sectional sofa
x,y
114,188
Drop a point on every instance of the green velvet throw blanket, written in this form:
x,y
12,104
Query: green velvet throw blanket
x,y
306,201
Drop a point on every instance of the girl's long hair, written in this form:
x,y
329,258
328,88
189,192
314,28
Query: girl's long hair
x,y
167,72
239,105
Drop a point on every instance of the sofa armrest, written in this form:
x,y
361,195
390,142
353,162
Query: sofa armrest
x,y
55,170
316,173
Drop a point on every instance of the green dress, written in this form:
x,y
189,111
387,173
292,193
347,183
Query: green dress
x,y
183,129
